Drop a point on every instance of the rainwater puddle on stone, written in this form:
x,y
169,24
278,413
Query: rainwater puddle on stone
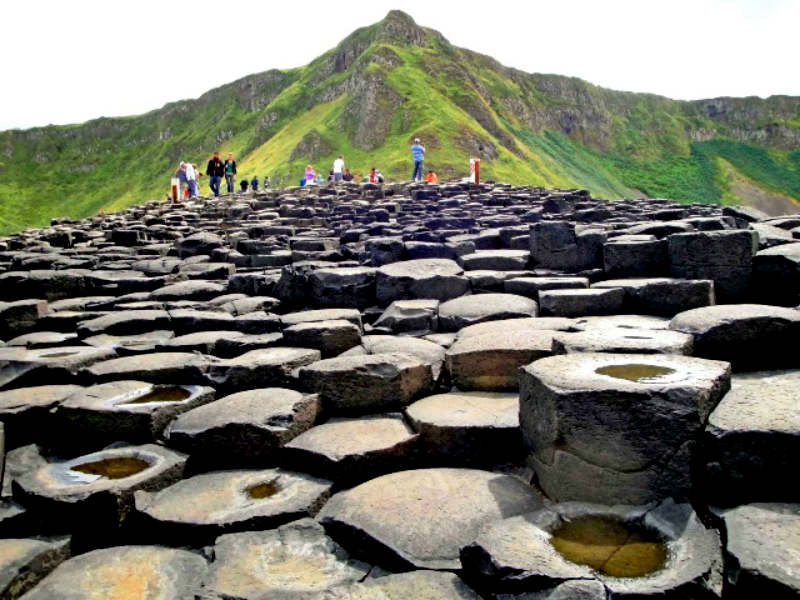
x,y
57,354
113,468
610,546
164,394
638,373
263,490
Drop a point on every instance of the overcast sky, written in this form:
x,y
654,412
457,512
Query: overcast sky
x,y
66,62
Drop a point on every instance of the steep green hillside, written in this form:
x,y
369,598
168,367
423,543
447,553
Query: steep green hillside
x,y
387,83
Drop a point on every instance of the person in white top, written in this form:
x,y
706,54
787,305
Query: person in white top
x,y
338,167
191,179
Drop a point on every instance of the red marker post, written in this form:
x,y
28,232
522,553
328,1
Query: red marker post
x,y
475,170
176,186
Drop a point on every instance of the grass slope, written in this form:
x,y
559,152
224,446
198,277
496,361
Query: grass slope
x,y
387,83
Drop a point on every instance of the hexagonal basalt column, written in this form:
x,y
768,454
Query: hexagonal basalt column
x,y
130,411
135,572
634,552
472,428
293,561
617,428
761,551
20,367
436,278
491,361
23,562
198,509
421,518
26,412
92,495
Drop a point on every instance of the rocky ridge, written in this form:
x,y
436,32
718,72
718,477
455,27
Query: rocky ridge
x,y
423,391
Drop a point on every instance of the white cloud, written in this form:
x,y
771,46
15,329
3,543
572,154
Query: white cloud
x,y
67,62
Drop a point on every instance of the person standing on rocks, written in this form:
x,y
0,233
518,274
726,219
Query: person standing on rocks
x,y
338,167
182,180
191,179
418,155
230,173
309,174
215,170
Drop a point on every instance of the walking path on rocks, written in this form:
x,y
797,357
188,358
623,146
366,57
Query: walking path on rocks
x,y
401,391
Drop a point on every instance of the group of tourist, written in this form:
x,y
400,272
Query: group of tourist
x,y
341,173
217,169
188,174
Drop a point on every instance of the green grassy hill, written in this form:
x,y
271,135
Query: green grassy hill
x,y
393,81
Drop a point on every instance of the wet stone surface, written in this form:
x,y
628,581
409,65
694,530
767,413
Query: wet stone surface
x,y
658,551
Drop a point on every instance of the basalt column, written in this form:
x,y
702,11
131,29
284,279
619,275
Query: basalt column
x,y
617,428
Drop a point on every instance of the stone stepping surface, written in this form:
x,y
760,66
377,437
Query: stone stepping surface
x,y
366,384
753,435
125,572
24,562
127,411
623,341
354,450
663,551
467,310
27,412
420,369
432,585
20,367
428,351
92,495
246,428
421,518
491,361
293,561
749,336
198,509
472,428
754,567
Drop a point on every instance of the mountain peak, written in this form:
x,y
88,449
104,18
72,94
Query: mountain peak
x,y
398,27
400,17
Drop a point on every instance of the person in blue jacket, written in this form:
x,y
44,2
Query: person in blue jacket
x,y
418,155
254,183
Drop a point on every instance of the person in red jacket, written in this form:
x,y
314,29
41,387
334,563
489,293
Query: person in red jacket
x,y
432,178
